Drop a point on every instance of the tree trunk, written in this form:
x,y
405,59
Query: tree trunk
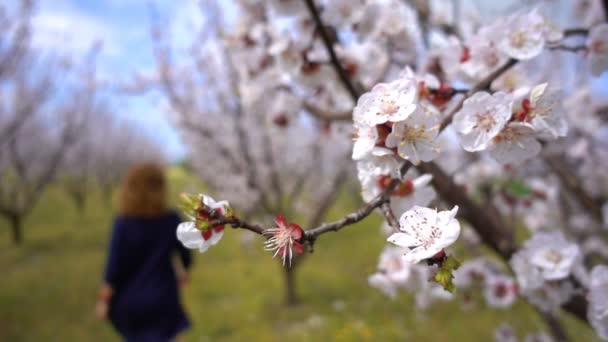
x,y
106,192
291,296
16,228
79,198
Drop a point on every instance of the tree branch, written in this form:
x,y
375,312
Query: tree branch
x,y
573,184
346,81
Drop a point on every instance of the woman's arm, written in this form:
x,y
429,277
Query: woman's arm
x,y
103,301
185,257
112,271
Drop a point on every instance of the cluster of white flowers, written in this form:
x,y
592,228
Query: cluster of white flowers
x,y
543,267
394,274
499,290
285,72
398,116
521,36
509,126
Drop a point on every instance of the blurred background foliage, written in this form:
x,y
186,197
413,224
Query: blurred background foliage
x,y
48,285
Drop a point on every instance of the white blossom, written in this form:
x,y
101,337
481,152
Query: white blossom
x,y
598,300
546,112
386,102
481,118
552,254
523,36
192,237
470,272
426,231
415,137
500,291
529,277
551,295
504,333
515,143
365,140
392,272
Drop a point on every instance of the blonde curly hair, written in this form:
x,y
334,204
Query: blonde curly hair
x,y
143,191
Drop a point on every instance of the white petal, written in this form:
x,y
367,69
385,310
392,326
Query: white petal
x,y
418,254
403,240
188,235
216,237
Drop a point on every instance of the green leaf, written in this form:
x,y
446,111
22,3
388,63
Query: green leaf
x,y
444,275
444,278
450,264
518,188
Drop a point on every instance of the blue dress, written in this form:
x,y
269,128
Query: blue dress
x,y
145,305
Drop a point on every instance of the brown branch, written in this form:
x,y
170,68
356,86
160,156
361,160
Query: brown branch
x,y
326,114
217,219
577,31
575,49
352,218
389,215
346,81
235,222
483,84
556,329
573,184
364,211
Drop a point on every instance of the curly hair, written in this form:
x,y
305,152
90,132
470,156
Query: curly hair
x,y
144,191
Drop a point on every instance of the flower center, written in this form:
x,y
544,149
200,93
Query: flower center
x,y
518,39
553,256
501,290
485,121
388,107
412,134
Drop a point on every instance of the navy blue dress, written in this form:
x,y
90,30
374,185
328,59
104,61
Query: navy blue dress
x,y
146,304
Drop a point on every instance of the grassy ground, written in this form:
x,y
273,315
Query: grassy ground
x,y
48,287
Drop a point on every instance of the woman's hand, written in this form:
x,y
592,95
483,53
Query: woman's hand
x,y
101,309
183,278
103,299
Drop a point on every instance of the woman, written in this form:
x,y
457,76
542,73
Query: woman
x,y
140,294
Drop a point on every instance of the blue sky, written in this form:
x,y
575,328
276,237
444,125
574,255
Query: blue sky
x,y
71,26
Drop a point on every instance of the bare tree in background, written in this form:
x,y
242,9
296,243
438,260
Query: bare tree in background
x,y
241,133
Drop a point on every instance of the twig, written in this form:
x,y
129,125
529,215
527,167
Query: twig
x,y
577,31
555,327
326,114
348,84
575,49
573,184
361,213
483,84
347,220
389,215
219,219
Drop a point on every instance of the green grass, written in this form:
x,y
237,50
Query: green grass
x,y
48,287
